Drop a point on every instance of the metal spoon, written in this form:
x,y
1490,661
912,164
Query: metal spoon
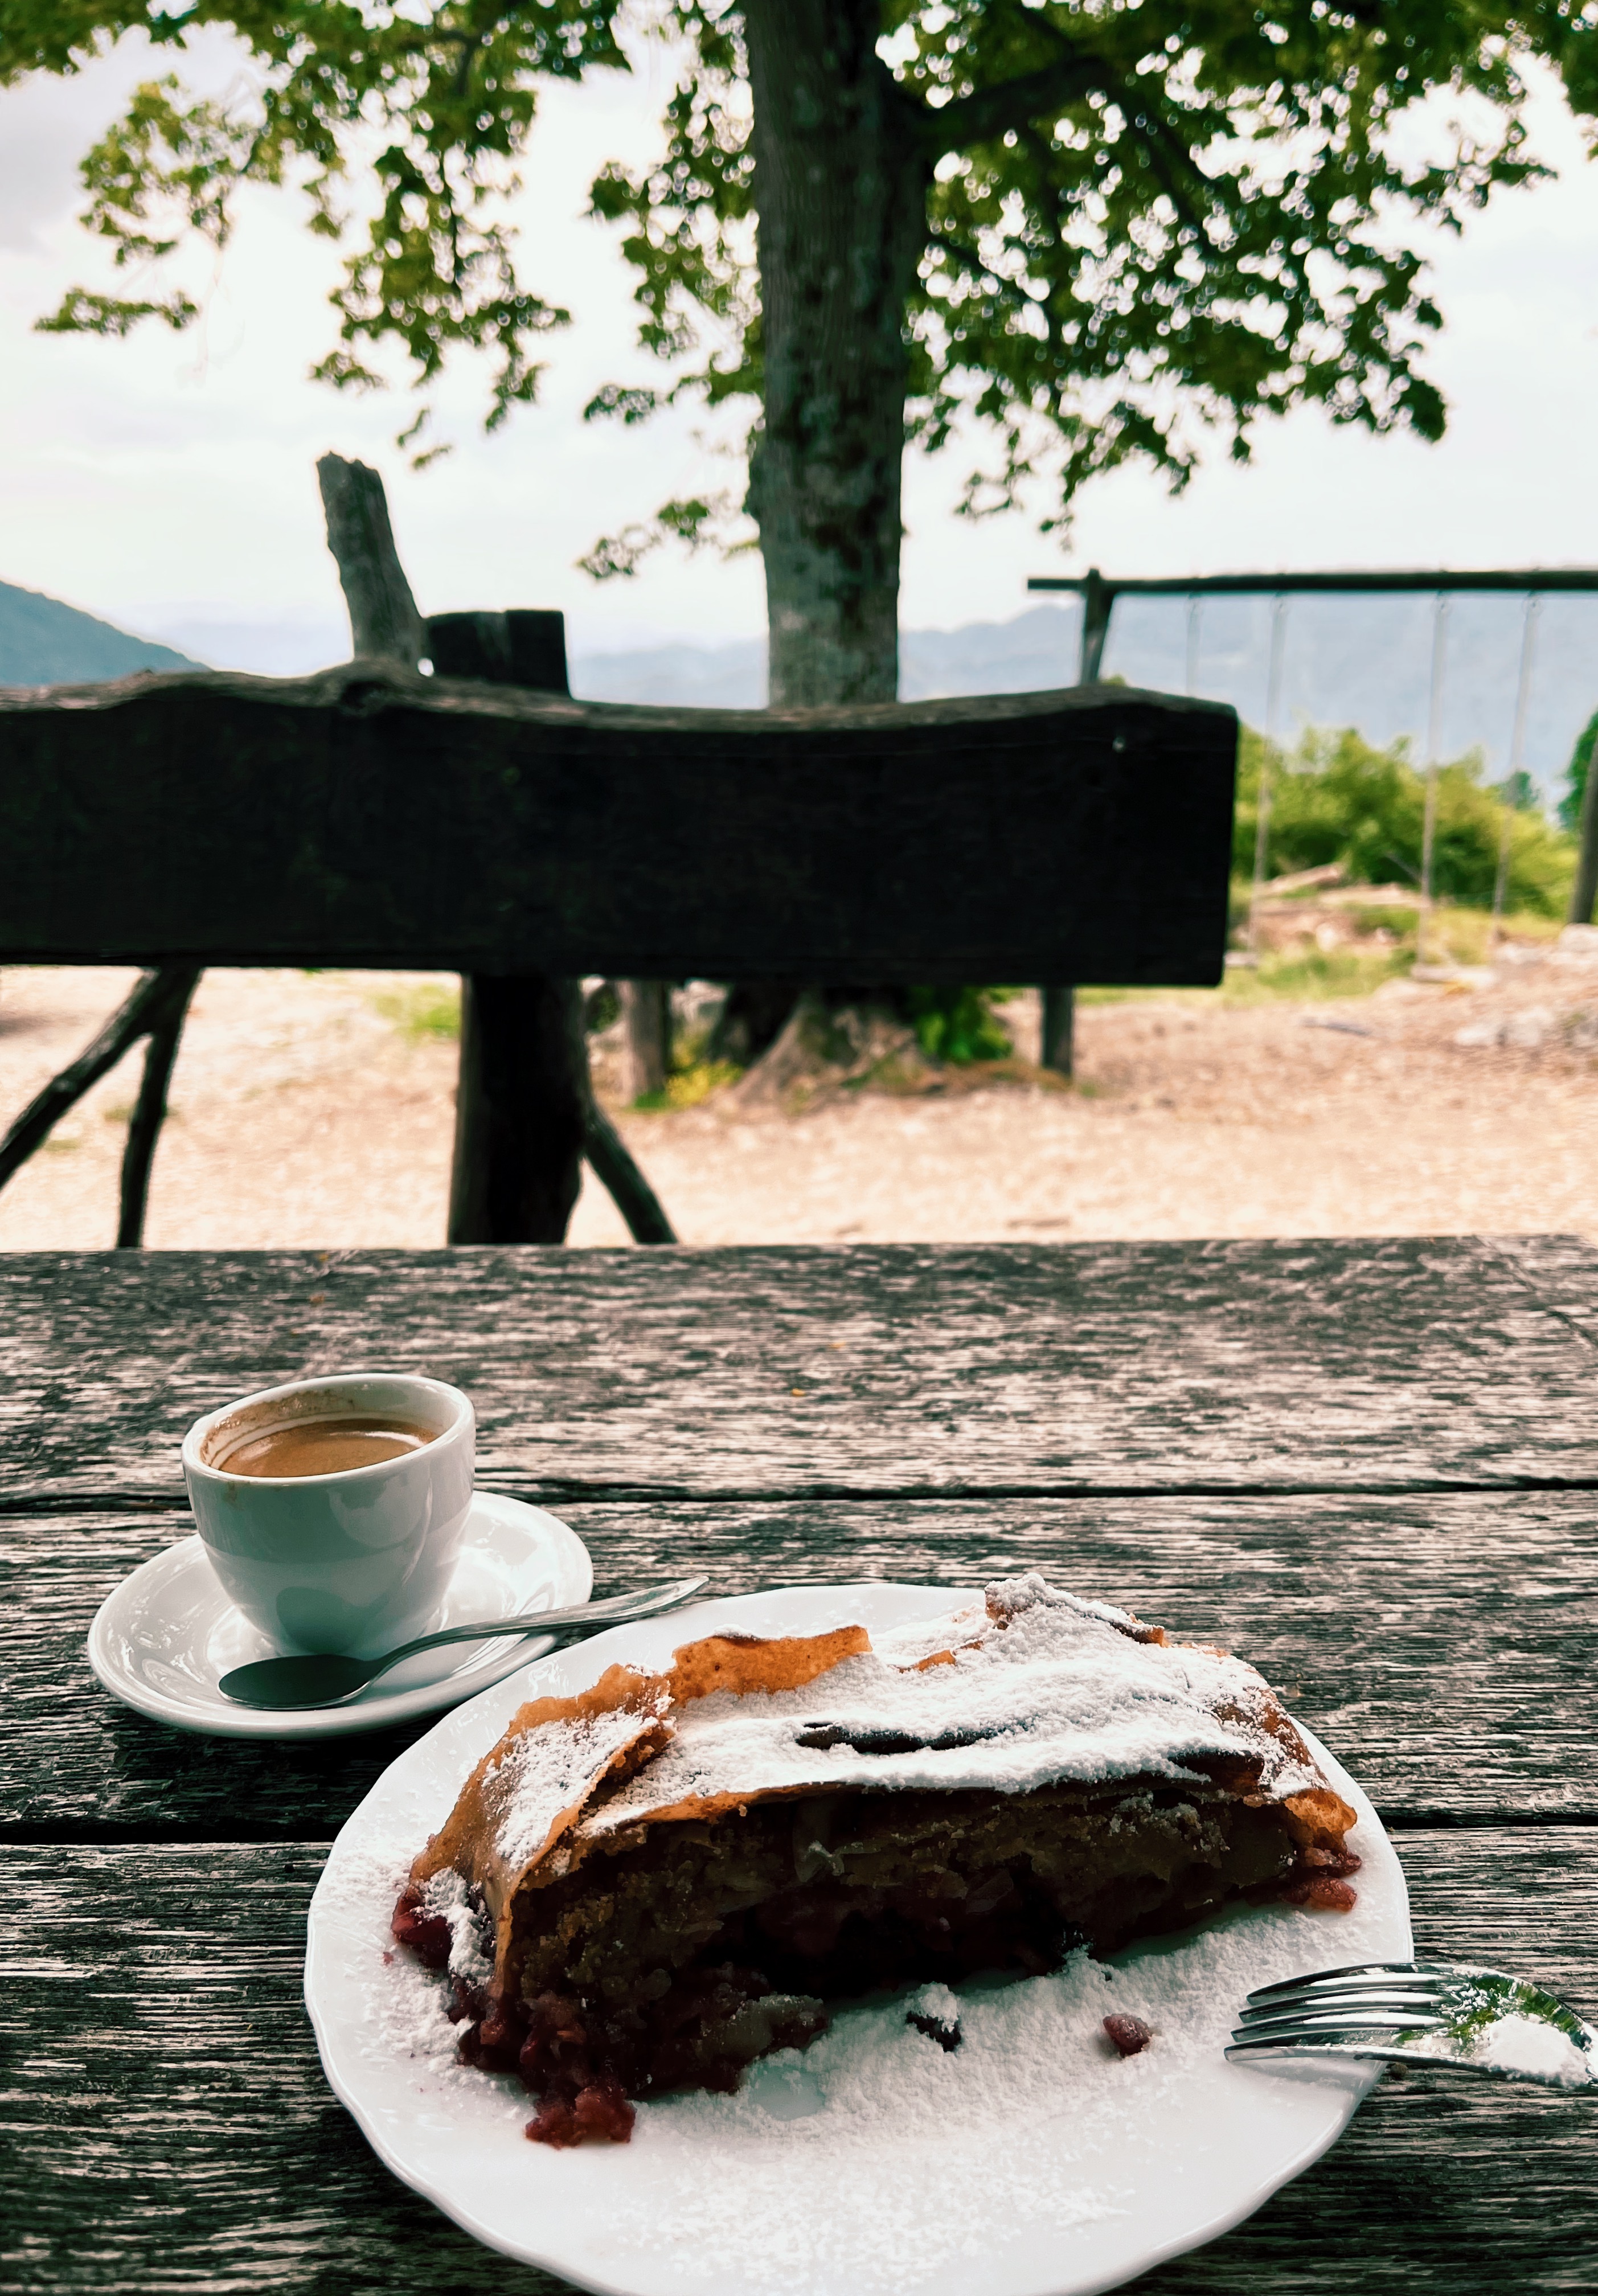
x,y
327,1678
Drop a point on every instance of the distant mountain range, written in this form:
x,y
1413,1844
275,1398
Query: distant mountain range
x,y
42,643
1362,661
1345,661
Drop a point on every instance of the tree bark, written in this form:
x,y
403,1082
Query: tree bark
x,y
646,1008
840,191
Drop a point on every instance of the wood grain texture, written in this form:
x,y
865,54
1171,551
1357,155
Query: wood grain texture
x,y
1442,1646
1395,1364
369,817
169,2128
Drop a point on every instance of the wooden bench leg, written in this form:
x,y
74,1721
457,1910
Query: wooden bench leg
x,y
614,1168
177,986
1059,1030
156,1010
521,1109
526,1117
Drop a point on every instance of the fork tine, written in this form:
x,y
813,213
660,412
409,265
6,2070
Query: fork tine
x,y
1294,2028
1401,1970
1371,2021
1344,2000
1265,2053
1379,2042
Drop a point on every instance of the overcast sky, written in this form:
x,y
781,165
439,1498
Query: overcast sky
x,y
168,483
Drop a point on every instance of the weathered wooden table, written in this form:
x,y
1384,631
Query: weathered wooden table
x,y
1369,1466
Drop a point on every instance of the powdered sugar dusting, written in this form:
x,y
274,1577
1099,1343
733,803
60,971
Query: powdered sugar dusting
x,y
544,1771
470,1958
1034,2121
1033,2128
1059,1691
1535,2048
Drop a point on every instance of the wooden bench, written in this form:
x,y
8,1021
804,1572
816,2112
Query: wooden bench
x,y
374,816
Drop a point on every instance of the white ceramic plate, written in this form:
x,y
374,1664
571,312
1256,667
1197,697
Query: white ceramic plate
x,y
161,1639
1031,2161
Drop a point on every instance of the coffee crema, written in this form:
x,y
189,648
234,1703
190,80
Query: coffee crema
x,y
331,1446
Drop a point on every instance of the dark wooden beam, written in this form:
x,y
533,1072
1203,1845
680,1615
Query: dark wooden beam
x,y
369,817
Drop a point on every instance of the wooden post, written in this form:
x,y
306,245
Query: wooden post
x,y
383,621
526,647
1098,600
521,1110
1585,888
525,1113
1059,1030
521,1103
1058,1048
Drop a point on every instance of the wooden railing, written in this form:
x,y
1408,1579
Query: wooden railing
x,y
479,820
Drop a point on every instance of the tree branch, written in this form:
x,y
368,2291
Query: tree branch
x,y
1010,104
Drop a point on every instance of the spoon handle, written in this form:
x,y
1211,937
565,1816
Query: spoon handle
x,y
617,1610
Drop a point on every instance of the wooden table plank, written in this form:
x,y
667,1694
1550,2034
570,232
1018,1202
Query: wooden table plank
x,y
1399,1364
169,2128
1443,1645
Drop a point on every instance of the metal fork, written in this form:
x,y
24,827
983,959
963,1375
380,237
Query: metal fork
x,y
1421,2013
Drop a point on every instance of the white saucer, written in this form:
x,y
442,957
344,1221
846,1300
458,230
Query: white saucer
x,y
161,1639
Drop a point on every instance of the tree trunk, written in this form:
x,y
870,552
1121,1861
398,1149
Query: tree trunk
x,y
841,190
646,1008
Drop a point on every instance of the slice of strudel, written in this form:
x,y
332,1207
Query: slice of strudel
x,y
651,1884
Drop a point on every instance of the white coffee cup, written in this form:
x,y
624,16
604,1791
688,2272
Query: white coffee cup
x,y
356,1561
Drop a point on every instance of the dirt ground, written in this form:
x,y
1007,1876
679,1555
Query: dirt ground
x,y
309,1110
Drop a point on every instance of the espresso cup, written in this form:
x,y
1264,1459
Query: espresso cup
x,y
356,1561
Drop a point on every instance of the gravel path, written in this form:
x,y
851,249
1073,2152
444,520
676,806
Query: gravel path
x,y
304,1116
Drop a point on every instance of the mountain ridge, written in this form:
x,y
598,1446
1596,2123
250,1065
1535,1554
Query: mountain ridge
x,y
44,642
1355,661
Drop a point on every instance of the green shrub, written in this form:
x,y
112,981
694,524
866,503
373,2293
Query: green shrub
x,y
958,1025
427,1008
1338,799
